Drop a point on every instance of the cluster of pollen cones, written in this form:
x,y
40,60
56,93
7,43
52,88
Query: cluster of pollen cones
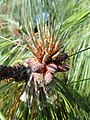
x,y
48,52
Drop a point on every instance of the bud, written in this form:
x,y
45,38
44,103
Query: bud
x,y
61,58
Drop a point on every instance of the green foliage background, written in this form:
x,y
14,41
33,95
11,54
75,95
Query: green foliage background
x,y
76,16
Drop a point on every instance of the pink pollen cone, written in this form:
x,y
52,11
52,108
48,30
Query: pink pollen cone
x,y
52,68
48,77
35,65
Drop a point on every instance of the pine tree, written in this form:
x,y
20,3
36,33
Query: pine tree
x,y
44,60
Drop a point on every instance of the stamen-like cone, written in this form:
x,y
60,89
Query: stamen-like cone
x,y
52,68
48,77
35,65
